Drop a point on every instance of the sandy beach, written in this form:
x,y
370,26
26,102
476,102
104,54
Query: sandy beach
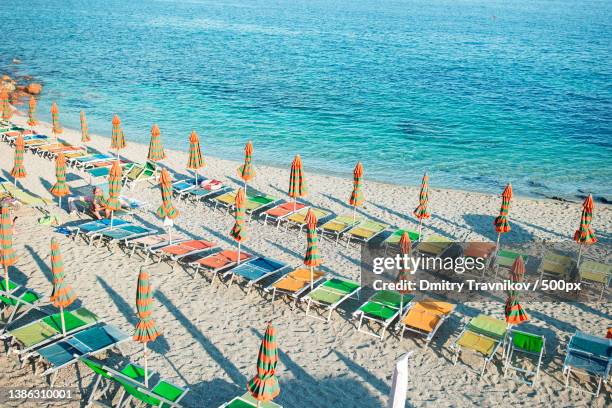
x,y
211,334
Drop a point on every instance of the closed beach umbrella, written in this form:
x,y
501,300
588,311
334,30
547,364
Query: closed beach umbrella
x,y
357,199
405,247
195,161
7,112
60,188
264,386
312,257
297,183
502,225
584,235
146,330
238,231
117,137
246,171
32,112
156,150
113,203
166,209
421,211
62,295
7,253
515,314
84,130
56,128
18,167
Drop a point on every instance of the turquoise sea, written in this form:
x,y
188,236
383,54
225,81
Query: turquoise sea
x,y
476,92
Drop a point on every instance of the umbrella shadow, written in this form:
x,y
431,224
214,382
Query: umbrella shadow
x,y
300,257
288,199
360,210
327,394
483,225
227,239
230,369
43,266
400,215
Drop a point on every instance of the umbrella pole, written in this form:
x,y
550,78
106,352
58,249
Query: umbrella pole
x,y
59,199
579,255
111,223
6,279
196,176
146,368
354,213
498,237
311,277
63,321
294,204
238,259
420,228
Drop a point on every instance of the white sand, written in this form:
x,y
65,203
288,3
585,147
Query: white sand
x,y
211,335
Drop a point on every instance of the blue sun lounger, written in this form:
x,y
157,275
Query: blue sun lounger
x,y
181,187
122,234
255,270
84,343
590,354
92,228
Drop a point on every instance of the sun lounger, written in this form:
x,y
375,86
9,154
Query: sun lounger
x,y
181,187
365,231
85,343
281,211
339,225
396,235
33,335
383,307
595,273
527,344
23,197
556,265
202,193
255,270
434,245
482,250
130,380
254,203
92,228
425,317
18,301
295,283
589,354
298,219
146,243
67,149
219,261
139,173
329,295
179,250
84,161
122,234
247,401
482,335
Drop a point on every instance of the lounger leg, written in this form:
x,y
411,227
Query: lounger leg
x,y
567,376
329,314
53,378
598,387
273,294
93,390
484,367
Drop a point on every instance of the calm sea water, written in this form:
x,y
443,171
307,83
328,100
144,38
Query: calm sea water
x,y
477,92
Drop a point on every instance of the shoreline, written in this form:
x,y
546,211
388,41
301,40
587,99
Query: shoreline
x,y
575,199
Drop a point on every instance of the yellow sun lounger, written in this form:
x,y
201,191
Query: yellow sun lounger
x,y
298,219
596,273
365,231
295,283
556,265
425,317
339,225
22,196
434,245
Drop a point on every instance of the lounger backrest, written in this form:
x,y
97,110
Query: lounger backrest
x,y
595,272
597,347
95,367
488,326
527,342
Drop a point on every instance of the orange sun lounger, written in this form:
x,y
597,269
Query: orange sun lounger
x,y
183,249
425,317
278,213
295,283
219,261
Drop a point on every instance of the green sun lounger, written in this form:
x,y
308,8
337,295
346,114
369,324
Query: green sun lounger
x,y
482,335
383,307
40,332
396,235
19,302
533,345
329,295
339,225
254,202
139,173
131,381
247,401
504,259
595,273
